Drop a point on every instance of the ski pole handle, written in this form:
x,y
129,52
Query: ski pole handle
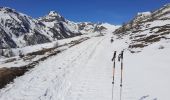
x,y
114,56
122,54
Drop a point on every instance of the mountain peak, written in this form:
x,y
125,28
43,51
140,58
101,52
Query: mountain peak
x,y
51,17
7,9
54,14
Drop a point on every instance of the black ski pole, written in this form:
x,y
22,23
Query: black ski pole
x,y
121,80
113,59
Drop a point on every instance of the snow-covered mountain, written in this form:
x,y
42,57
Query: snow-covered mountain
x,y
146,28
19,30
58,26
64,28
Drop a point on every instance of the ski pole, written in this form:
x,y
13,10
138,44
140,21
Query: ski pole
x,y
113,59
121,80
121,67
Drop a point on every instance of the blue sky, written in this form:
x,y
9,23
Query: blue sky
x,y
111,11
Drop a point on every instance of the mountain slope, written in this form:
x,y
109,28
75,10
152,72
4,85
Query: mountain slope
x,y
18,30
147,28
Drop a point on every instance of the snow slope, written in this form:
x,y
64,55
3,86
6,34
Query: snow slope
x,y
84,72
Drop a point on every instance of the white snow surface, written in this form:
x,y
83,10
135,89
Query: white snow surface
x,y
84,72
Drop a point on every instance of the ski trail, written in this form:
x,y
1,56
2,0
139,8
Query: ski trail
x,y
50,79
93,81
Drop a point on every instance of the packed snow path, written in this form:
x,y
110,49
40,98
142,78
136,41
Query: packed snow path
x,y
84,72
79,73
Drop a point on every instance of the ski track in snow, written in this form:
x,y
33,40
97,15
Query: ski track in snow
x,y
84,72
56,78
